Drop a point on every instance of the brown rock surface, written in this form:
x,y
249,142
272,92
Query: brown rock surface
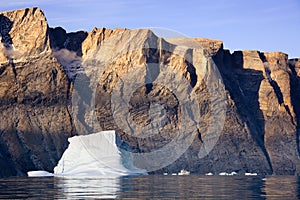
x,y
265,97
34,93
39,80
24,32
210,46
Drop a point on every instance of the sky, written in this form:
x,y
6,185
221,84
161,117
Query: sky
x,y
264,25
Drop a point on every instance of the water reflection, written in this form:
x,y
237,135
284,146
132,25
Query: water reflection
x,y
204,187
285,187
74,188
25,188
214,187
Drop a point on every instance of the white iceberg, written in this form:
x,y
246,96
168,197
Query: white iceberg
x,y
39,173
227,174
183,172
223,174
98,154
250,174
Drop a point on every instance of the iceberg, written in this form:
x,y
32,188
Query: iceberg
x,y
97,154
227,174
39,173
183,172
250,174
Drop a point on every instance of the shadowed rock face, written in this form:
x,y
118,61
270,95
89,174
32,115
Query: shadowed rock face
x,y
40,69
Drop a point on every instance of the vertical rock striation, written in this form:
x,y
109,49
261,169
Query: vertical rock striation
x,y
263,86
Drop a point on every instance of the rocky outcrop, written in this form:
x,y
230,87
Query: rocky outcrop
x,y
23,33
34,95
208,109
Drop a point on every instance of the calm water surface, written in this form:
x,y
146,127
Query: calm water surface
x,y
152,186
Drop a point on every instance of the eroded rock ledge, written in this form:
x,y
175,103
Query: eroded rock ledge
x,y
38,70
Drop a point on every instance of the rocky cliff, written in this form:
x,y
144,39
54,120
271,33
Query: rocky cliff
x,y
34,95
209,110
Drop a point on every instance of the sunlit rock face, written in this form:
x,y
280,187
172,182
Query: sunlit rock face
x,y
55,84
34,92
24,33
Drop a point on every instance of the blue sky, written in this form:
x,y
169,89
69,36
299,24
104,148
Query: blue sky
x,y
265,25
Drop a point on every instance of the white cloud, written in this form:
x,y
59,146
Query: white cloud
x,y
69,60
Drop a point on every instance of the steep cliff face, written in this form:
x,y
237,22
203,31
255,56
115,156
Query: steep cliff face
x,y
263,88
157,93
34,90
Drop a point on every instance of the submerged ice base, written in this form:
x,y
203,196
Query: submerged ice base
x,y
98,154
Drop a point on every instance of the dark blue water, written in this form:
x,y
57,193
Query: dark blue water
x,y
152,186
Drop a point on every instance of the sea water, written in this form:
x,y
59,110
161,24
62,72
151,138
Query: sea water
x,y
152,186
